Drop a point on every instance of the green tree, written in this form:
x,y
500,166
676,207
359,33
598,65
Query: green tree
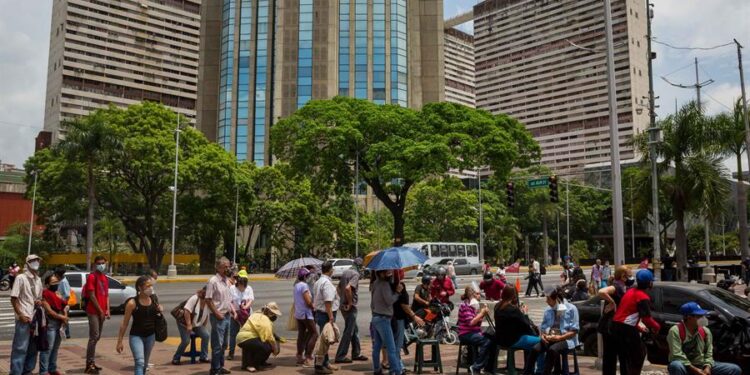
x,y
88,140
699,178
110,233
396,147
730,128
579,250
441,209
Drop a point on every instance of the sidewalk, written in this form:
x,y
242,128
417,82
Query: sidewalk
x,y
71,360
195,278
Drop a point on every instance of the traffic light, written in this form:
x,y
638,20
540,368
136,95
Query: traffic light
x,y
553,197
510,194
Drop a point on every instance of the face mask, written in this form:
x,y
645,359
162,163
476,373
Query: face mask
x,y
53,288
474,304
153,282
703,322
630,281
148,291
34,265
273,318
101,267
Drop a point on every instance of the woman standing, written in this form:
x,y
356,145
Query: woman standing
x,y
402,315
470,316
613,295
518,332
242,301
383,298
144,311
195,316
256,338
57,316
307,333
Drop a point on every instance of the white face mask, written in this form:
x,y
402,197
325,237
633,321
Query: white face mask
x,y
703,322
474,304
148,291
34,265
101,267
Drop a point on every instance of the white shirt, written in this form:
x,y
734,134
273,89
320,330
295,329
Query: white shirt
x,y
200,316
238,296
27,289
536,266
324,291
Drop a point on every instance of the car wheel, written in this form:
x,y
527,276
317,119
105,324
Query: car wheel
x,y
473,271
590,345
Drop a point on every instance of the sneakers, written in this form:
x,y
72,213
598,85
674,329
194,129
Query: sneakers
x,y
360,358
308,363
320,370
332,367
344,360
91,368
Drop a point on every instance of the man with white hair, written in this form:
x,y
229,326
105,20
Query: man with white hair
x,y
219,301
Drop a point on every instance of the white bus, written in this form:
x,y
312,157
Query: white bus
x,y
437,251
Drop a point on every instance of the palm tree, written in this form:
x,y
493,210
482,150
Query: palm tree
x,y
731,138
698,184
88,140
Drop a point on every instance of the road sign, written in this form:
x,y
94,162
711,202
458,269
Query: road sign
x,y
540,182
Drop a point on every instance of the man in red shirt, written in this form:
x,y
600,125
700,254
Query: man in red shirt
x,y
491,287
634,308
441,287
96,293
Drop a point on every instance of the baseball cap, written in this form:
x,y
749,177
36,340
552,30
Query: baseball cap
x,y
644,276
692,308
33,257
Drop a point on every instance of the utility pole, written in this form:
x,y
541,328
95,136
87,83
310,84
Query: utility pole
x,y
653,132
614,141
356,206
567,216
481,217
558,236
172,269
236,216
745,249
31,221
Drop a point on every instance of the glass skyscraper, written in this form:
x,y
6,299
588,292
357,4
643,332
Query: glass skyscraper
x,y
261,60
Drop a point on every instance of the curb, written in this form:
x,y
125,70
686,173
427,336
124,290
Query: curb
x,y
196,279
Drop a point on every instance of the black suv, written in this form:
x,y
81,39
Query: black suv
x,y
729,314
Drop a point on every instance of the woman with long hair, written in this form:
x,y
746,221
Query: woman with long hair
x,y
144,312
470,316
57,317
613,295
518,332
307,332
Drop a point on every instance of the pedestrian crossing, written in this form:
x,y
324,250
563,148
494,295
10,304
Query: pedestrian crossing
x,y
8,319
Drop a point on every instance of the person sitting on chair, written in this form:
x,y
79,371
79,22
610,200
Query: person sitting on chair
x,y
559,328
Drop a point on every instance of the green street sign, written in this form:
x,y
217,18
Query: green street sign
x,y
541,182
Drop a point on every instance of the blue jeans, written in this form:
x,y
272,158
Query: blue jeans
x,y
526,342
201,332
321,319
349,336
719,368
23,352
483,343
141,349
48,358
382,335
234,329
219,330
399,327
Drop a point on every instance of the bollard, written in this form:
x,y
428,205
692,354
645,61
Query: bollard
x,y
599,341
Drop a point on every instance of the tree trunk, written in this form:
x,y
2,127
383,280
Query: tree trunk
x,y
546,239
90,217
681,242
398,226
742,209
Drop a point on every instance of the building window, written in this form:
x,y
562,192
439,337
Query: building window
x,y
261,84
227,74
399,63
304,61
360,49
344,34
243,79
378,51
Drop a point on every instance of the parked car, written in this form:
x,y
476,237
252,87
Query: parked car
x,y
341,265
118,292
728,314
461,265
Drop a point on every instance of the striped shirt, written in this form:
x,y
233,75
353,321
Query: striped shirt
x,y
467,313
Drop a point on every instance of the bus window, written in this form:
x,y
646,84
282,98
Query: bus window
x,y
472,250
434,251
452,251
461,251
425,251
444,251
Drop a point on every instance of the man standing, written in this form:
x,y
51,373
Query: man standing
x,y
219,301
538,274
596,275
348,287
25,297
691,346
326,303
96,294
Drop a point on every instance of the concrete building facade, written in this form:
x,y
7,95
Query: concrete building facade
x,y
121,52
527,67
264,59
459,67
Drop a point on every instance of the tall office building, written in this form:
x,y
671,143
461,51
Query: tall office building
x,y
261,60
459,67
527,67
121,52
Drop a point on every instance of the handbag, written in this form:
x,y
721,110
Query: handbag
x,y
291,323
178,313
160,325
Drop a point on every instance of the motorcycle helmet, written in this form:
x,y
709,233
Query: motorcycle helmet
x,y
441,272
426,279
487,276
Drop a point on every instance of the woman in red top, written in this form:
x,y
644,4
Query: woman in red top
x,y
57,317
634,308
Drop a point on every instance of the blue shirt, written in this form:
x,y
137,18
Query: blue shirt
x,y
568,322
64,290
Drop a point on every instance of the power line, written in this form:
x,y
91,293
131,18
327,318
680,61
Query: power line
x,y
691,48
678,70
714,99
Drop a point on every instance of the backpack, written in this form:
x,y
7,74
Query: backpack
x,y
178,314
683,333
542,269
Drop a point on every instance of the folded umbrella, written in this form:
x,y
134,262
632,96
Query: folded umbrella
x,y
289,270
396,258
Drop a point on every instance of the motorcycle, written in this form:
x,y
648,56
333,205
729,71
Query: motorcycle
x,y
6,283
437,324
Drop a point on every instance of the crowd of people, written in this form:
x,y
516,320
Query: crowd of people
x,y
222,313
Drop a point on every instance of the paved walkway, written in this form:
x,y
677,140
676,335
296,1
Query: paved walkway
x,y
71,360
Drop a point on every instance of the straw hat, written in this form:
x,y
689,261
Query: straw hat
x,y
273,308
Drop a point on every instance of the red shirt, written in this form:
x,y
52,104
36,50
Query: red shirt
x,y
635,307
54,301
492,289
97,282
436,288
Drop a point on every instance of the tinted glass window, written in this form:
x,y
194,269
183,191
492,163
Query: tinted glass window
x,y
74,280
452,250
444,251
460,262
728,299
461,250
472,251
672,299
435,251
425,250
345,262
114,284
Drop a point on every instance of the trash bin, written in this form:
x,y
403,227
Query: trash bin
x,y
695,273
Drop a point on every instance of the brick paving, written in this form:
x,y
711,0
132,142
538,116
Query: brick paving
x,y
72,352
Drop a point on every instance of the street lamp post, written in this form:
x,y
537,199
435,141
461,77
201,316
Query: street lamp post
x,y
172,270
236,215
481,216
31,221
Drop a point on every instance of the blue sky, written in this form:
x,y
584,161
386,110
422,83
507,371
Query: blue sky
x,y
24,44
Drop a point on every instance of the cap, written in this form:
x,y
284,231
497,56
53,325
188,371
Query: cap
x,y
692,308
274,308
32,257
303,272
644,276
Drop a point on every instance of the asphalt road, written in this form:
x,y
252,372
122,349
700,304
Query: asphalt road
x,y
279,291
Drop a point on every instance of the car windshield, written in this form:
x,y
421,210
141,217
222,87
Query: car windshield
x,y
444,261
729,299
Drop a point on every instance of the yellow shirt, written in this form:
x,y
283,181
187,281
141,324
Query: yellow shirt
x,y
258,325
